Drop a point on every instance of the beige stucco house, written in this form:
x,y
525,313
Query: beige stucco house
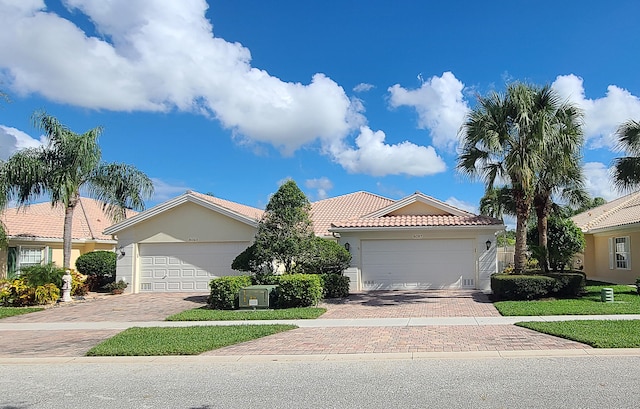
x,y
612,240
415,242
35,234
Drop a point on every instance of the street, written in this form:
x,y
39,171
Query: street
x,y
199,383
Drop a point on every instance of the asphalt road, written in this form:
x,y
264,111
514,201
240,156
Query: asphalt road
x,y
558,382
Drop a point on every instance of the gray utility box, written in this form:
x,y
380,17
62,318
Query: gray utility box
x,y
257,296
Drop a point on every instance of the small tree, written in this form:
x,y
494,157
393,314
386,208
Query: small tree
x,y
325,256
284,233
565,239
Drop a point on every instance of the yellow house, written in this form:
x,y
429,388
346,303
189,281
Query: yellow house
x,y
612,236
35,234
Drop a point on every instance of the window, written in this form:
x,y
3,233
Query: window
x,y
30,256
619,253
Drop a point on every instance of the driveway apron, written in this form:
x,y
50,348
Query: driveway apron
x,y
326,340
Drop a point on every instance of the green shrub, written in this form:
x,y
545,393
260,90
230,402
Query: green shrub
x,y
334,285
568,284
40,275
224,291
325,256
101,264
521,287
18,293
297,290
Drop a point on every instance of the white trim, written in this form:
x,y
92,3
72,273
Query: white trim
x,y
492,227
170,204
418,197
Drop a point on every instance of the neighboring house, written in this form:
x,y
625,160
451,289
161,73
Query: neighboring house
x,y
35,234
415,242
612,240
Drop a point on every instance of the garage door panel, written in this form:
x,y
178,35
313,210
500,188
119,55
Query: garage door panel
x,y
411,264
185,266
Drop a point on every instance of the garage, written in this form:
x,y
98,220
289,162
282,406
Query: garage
x,y
418,264
185,266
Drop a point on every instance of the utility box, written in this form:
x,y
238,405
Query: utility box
x,y
257,296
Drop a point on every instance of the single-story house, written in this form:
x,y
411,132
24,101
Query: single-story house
x,y
35,232
415,242
612,240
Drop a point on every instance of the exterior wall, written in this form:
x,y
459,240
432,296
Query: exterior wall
x,y
596,257
486,260
186,223
56,252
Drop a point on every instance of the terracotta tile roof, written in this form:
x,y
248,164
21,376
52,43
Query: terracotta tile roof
x,y
418,221
248,211
43,221
619,212
352,205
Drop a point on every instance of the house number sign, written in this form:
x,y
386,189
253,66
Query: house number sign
x,y
418,236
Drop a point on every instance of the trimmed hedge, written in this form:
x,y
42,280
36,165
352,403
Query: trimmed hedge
x,y
334,285
296,290
529,287
225,291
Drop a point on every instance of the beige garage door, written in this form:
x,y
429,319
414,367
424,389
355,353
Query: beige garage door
x,y
417,264
185,266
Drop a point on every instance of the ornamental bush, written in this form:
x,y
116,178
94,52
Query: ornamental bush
x,y
38,275
296,290
334,285
225,291
18,293
325,256
99,266
521,287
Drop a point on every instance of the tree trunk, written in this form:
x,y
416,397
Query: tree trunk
x,y
67,236
542,205
523,208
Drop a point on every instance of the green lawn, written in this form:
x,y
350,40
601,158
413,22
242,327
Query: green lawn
x,y
180,341
205,314
626,301
11,311
598,334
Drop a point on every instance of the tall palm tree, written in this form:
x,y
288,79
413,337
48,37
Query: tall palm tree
x,y
626,173
562,176
70,163
505,139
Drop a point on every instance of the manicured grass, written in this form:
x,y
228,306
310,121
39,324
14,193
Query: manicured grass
x,y
626,301
598,334
180,341
205,314
11,311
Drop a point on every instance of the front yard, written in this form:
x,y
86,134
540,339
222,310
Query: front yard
x,y
596,333
11,311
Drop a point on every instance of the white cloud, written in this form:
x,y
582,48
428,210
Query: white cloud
x,y
598,181
321,185
460,204
155,55
165,191
376,158
363,87
440,105
12,140
602,115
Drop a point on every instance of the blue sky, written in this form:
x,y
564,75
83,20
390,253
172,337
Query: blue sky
x,y
234,96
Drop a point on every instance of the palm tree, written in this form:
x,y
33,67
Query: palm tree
x,y
626,173
562,176
505,139
70,163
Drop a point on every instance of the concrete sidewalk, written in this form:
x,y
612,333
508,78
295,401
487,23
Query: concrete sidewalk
x,y
310,323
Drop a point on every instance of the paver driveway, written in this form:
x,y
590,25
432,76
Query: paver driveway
x,y
331,340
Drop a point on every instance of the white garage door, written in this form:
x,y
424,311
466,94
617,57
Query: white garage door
x,y
185,266
417,264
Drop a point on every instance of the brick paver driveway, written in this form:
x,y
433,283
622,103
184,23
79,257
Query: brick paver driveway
x,y
333,340
404,304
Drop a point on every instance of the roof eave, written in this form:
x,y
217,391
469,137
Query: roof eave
x,y
496,227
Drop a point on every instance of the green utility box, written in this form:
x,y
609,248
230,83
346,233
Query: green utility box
x,y
257,296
